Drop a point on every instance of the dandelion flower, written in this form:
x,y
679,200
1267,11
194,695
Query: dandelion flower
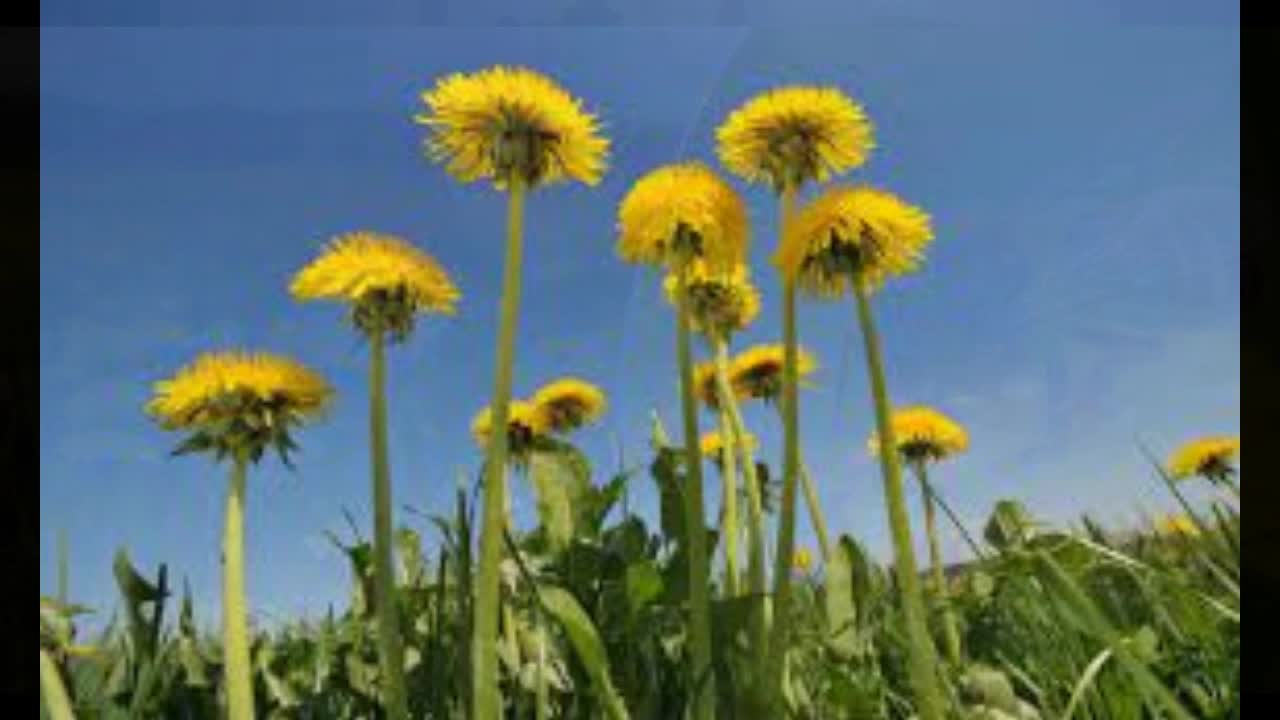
x,y
923,434
233,401
704,385
385,279
1208,457
712,444
802,560
850,235
237,404
509,122
721,302
757,371
791,135
525,426
682,212
567,404
1170,525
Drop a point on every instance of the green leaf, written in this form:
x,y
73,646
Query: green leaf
x,y
586,642
841,612
644,584
1010,525
557,483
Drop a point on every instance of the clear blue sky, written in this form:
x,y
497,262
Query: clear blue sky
x,y
1083,289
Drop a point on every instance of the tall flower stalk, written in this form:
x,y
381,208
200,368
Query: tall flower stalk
x,y
719,393
853,239
674,217
720,304
237,405
788,137
386,282
924,436
520,130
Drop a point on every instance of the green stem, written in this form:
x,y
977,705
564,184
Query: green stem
x,y
815,511
543,709
815,508
63,588
237,668
390,644
729,483
699,600
922,659
949,631
755,507
964,532
486,702
56,700
779,638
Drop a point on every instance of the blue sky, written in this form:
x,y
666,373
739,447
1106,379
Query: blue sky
x,y
1083,290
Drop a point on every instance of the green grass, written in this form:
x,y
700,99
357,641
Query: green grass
x,y
1082,623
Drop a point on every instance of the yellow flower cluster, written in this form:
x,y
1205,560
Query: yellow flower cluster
x,y
795,134
802,560
721,302
506,122
922,433
711,444
681,212
757,371
852,235
567,404
361,264
1209,457
524,424
559,407
219,387
1171,525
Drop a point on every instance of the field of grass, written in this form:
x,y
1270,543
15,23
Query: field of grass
x,y
1053,624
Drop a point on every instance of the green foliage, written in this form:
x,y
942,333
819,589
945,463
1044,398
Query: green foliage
x,y
1088,625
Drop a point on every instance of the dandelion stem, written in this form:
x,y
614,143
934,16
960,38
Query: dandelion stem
x,y
964,532
699,600
63,589
779,636
237,668
543,709
815,511
729,479
755,507
56,700
486,702
949,631
390,647
922,658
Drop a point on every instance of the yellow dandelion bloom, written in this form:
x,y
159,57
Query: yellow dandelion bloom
x,y
360,263
1176,525
852,234
683,211
801,560
525,425
567,404
757,371
505,122
238,401
216,386
385,278
721,302
795,134
1209,457
704,385
711,444
923,434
